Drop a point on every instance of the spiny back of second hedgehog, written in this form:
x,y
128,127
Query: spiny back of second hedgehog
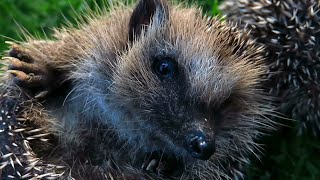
x,y
290,30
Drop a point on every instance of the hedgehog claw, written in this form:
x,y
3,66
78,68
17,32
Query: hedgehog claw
x,y
16,64
19,75
32,76
27,80
152,165
42,94
162,164
20,53
151,162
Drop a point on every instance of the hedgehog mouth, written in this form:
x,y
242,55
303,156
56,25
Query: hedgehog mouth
x,y
162,164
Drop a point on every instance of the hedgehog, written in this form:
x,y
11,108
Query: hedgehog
x,y
158,91
18,161
290,30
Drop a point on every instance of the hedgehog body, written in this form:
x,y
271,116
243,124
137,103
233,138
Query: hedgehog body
x,y
159,87
290,30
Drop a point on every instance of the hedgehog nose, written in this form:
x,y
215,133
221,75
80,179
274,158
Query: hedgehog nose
x,y
199,145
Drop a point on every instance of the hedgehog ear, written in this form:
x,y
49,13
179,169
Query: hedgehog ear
x,y
145,12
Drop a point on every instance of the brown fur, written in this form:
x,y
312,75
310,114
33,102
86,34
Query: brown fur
x,y
104,115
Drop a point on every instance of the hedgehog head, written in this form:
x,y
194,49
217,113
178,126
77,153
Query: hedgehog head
x,y
187,86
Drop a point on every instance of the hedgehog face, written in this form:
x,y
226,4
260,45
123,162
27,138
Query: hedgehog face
x,y
166,101
187,86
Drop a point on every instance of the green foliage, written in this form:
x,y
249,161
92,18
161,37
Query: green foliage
x,y
39,16
287,156
209,6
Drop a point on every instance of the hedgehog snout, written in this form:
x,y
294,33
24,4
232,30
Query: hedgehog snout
x,y
199,145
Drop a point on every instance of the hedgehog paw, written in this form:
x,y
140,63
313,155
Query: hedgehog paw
x,y
28,74
162,164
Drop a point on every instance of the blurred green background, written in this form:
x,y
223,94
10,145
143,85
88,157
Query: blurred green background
x,y
286,155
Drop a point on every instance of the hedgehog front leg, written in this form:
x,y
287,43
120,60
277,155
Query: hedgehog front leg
x,y
37,78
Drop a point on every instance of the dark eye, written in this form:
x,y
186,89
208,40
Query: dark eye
x,y
165,68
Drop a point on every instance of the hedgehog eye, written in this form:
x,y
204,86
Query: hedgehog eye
x,y
165,68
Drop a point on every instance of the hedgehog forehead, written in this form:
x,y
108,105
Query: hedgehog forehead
x,y
205,78
210,64
208,80
207,72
